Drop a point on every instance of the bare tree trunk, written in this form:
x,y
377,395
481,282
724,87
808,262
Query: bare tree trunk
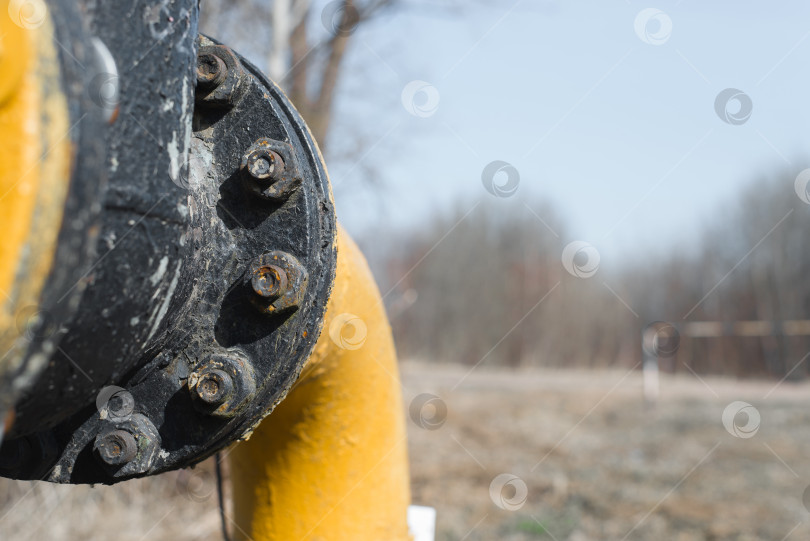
x,y
278,55
322,111
297,86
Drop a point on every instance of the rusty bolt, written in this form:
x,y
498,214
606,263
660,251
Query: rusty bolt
x,y
116,447
279,280
263,163
220,77
269,281
268,169
214,388
211,71
221,384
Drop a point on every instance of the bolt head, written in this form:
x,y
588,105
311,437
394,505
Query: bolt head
x,y
221,384
278,280
269,281
263,163
116,447
211,71
269,171
214,387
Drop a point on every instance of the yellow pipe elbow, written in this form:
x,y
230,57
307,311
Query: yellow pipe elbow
x,y
35,162
330,462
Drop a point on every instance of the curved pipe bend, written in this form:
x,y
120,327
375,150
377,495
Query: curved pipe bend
x,y
330,462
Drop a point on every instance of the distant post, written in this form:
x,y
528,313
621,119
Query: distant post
x,y
658,339
649,369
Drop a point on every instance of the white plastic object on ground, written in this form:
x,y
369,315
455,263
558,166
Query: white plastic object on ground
x,y
422,522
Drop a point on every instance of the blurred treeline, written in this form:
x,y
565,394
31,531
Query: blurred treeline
x,y
484,283
466,286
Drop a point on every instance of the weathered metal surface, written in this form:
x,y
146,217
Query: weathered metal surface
x,y
141,220
168,314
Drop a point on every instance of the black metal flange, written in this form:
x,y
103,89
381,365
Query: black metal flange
x,y
169,359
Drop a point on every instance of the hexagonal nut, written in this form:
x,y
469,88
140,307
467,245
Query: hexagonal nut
x,y
221,384
127,447
270,281
116,447
269,170
220,77
214,388
278,281
211,71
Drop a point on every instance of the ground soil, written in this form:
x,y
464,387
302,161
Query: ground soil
x,y
596,462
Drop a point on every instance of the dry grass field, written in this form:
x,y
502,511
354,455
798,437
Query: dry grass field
x,y
595,461
599,464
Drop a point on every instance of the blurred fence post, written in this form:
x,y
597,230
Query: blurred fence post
x,y
649,370
650,355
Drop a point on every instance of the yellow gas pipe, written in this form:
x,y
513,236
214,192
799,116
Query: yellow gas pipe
x,y
330,462
35,162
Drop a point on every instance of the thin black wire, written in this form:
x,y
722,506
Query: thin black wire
x,y
221,497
